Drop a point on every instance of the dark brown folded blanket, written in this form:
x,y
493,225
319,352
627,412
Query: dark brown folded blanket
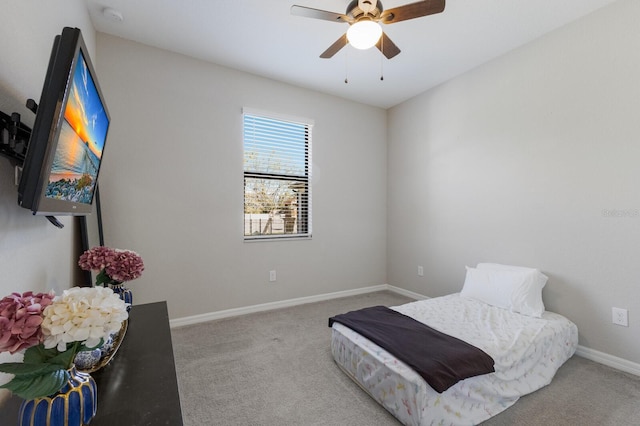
x,y
442,360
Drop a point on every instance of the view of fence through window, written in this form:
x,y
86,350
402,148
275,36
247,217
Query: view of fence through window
x,y
276,177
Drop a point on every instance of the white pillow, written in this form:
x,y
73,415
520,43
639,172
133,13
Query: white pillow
x,y
527,298
494,287
540,277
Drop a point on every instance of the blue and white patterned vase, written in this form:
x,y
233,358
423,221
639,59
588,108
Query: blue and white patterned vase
x,y
86,360
124,293
107,346
73,405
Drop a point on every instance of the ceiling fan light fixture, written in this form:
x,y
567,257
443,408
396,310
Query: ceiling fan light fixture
x,y
364,34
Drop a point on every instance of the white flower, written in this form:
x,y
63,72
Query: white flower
x,y
82,314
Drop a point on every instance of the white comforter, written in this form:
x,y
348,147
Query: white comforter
x,y
527,353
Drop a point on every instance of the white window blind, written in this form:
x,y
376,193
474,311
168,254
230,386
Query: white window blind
x,y
277,176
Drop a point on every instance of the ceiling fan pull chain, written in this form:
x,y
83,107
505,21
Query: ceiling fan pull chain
x,y
346,66
381,61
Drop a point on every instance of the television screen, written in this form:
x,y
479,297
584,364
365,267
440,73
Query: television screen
x,y
67,140
82,134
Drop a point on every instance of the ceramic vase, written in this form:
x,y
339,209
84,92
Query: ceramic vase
x,y
73,405
86,360
124,293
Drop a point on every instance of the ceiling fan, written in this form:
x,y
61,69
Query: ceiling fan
x,y
366,15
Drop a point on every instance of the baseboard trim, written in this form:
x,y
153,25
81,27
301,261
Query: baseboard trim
x,y
584,352
609,360
196,319
408,293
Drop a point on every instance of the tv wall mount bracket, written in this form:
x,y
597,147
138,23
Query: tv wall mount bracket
x,y
14,140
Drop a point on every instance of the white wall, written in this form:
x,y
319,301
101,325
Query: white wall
x,y
172,186
34,255
516,162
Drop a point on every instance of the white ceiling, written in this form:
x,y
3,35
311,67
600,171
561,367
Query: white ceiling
x,y
262,37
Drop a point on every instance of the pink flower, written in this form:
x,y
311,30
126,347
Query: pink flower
x,y
125,266
20,320
115,265
96,258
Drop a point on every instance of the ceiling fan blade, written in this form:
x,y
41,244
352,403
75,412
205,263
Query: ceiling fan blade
x,y
335,47
412,10
309,12
387,47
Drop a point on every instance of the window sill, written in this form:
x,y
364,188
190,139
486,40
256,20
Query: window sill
x,y
272,238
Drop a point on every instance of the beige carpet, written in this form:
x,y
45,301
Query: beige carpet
x,y
275,368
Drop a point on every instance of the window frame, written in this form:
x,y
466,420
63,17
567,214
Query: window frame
x,y
306,180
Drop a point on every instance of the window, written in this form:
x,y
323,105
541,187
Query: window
x,y
277,176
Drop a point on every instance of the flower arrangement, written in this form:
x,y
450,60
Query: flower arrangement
x,y
51,330
115,265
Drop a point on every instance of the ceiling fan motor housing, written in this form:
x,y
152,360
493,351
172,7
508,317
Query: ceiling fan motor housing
x,y
355,11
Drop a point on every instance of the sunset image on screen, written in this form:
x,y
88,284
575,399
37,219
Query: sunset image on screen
x,y
82,136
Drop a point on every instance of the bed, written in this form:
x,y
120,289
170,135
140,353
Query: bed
x,y
499,313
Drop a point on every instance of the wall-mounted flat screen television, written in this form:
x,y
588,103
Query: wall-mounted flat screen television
x,y
64,154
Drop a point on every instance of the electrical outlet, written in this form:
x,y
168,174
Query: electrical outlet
x,y
420,271
620,316
272,275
